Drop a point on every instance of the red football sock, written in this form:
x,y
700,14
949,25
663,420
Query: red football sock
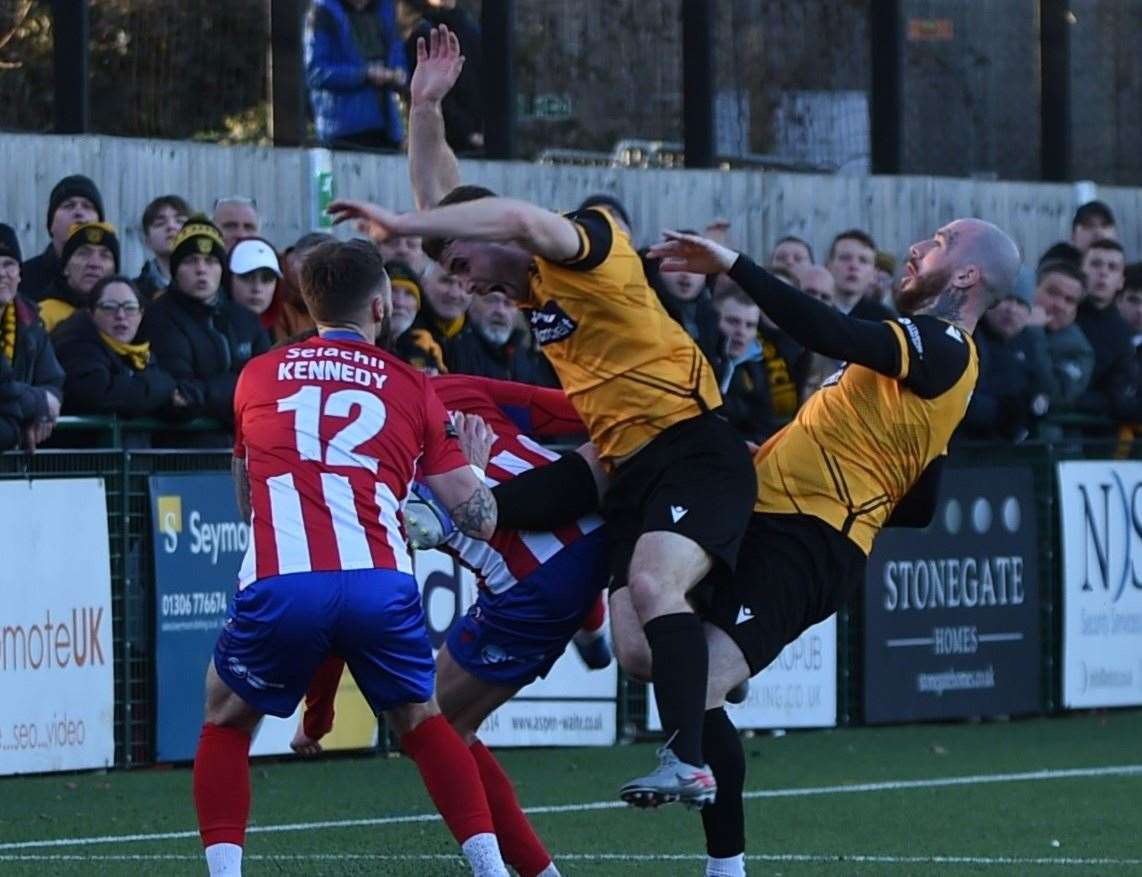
x,y
520,845
222,784
595,617
318,718
451,777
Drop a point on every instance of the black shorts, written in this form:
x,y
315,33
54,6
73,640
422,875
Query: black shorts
x,y
793,571
695,479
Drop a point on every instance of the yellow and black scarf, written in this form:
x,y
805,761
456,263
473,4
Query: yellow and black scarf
x,y
8,331
137,355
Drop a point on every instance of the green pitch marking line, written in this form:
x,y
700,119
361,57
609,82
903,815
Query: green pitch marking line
x,y
851,788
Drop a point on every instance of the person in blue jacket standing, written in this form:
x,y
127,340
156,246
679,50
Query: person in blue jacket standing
x,y
355,67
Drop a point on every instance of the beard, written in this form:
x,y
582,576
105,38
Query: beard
x,y
495,335
922,291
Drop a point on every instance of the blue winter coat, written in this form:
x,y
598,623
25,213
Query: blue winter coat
x,y
344,101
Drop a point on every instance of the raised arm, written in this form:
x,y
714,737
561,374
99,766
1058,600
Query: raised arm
x,y
432,166
544,233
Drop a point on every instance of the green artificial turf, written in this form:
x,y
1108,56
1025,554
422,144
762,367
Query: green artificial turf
x,y
1053,826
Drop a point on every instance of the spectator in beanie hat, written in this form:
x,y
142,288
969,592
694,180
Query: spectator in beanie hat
x,y
197,334
414,345
74,199
1094,221
90,254
31,380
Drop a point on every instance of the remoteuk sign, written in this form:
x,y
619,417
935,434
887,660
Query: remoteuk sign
x,y
1100,510
952,612
56,682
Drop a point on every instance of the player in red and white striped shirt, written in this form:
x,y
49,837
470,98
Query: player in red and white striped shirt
x,y
329,433
536,589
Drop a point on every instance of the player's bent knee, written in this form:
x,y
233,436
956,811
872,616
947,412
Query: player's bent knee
x,y
652,596
408,716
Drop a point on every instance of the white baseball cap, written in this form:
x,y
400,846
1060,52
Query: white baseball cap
x,y
250,254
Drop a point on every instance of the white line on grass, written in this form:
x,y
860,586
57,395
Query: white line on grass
x,y
811,858
892,785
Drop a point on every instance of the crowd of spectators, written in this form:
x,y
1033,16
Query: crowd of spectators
x,y
78,336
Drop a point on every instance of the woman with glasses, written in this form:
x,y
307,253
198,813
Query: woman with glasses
x,y
108,370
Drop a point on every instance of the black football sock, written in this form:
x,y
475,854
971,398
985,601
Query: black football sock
x,y
679,665
724,820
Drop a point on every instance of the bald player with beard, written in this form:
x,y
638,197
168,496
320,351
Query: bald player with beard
x,y
863,453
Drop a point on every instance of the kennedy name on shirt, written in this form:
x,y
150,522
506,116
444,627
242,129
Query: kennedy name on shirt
x,y
332,364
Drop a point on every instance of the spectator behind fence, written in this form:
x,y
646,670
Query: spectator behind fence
x,y
852,261
1093,221
355,67
90,254
31,380
254,276
407,250
785,360
74,200
1060,287
1130,307
687,299
463,106
1016,383
1113,390
291,316
236,217
739,364
412,343
884,282
444,306
198,334
496,347
109,370
792,253
162,219
817,282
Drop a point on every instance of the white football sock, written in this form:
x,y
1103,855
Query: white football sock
x,y
549,871
224,860
483,854
732,866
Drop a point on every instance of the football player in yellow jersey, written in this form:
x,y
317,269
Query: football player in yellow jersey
x,y
862,453
681,480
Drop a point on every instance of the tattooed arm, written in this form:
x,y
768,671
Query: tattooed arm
x,y
468,501
241,487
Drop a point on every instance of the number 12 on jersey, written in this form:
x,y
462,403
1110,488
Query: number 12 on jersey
x,y
341,450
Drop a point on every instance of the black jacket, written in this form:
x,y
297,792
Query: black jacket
x,y
99,381
868,309
469,353
25,381
1113,390
38,273
1012,376
203,347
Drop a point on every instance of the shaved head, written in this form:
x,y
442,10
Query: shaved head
x,y
958,273
987,247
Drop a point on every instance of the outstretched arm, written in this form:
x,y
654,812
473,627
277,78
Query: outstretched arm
x,y
432,166
809,322
544,233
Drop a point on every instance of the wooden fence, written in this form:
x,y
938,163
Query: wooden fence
x,y
762,206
